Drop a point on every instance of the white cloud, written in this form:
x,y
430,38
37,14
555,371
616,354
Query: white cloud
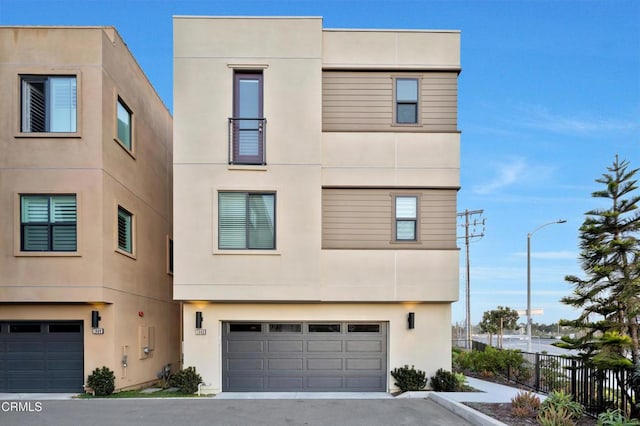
x,y
507,174
541,118
552,255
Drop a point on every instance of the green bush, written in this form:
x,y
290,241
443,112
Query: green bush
x,y
187,380
494,361
557,400
615,418
525,404
102,381
555,416
409,379
444,381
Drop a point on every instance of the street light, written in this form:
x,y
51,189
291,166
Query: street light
x,y
529,278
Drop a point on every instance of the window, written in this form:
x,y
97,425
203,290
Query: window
x,y
285,328
324,328
406,100
124,124
125,230
48,104
246,220
247,125
245,327
170,256
48,223
406,214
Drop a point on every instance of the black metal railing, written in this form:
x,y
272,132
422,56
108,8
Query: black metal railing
x,y
595,388
247,138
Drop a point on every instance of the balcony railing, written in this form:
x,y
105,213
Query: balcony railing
x,y
247,137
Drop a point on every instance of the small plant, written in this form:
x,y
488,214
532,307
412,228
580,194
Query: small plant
x,y
461,381
525,404
187,380
557,399
444,381
102,381
615,418
555,416
409,379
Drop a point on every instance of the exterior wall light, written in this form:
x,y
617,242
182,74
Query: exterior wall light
x,y
95,319
411,320
198,319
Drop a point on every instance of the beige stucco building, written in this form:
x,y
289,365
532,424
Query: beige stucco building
x,y
315,181
86,223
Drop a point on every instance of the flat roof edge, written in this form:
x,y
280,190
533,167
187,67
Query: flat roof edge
x,y
243,17
388,30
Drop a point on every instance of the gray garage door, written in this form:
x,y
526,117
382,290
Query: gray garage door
x,y
37,356
304,356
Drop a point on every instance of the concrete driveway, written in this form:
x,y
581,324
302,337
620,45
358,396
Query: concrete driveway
x,y
228,412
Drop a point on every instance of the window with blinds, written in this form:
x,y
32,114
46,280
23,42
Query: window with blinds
x,y
406,213
49,104
48,223
246,220
125,230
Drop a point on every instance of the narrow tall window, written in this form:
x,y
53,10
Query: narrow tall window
x,y
406,208
125,230
48,223
247,124
246,220
406,92
124,124
48,104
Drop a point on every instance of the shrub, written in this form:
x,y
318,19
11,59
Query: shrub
x,y
492,361
187,380
615,418
409,379
557,399
555,416
444,381
525,404
102,381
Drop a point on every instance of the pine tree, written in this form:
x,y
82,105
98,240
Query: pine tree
x,y
609,296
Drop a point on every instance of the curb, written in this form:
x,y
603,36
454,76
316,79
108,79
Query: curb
x,y
467,413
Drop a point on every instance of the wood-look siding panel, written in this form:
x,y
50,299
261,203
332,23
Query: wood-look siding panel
x,y
363,219
363,101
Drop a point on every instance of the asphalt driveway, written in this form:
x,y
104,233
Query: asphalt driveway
x,y
212,411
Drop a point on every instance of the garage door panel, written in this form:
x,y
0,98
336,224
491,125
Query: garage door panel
x,y
285,346
321,383
286,364
242,364
364,346
63,364
329,356
25,365
364,364
22,346
324,346
324,363
245,346
285,383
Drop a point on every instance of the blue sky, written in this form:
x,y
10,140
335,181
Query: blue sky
x,y
548,95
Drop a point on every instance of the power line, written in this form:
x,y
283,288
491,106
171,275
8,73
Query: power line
x,y
474,227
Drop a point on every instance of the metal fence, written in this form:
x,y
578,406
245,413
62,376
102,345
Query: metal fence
x,y
596,389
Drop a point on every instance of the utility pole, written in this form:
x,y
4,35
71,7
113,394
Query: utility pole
x,y
473,220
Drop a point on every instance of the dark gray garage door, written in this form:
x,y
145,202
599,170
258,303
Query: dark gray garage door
x,y
38,356
304,356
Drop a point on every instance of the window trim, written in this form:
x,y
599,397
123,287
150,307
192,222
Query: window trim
x,y
40,72
246,249
132,142
235,158
170,255
394,218
132,254
394,79
17,235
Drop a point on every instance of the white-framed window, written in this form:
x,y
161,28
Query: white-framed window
x,y
124,118
48,104
406,218
246,220
125,230
406,100
48,223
